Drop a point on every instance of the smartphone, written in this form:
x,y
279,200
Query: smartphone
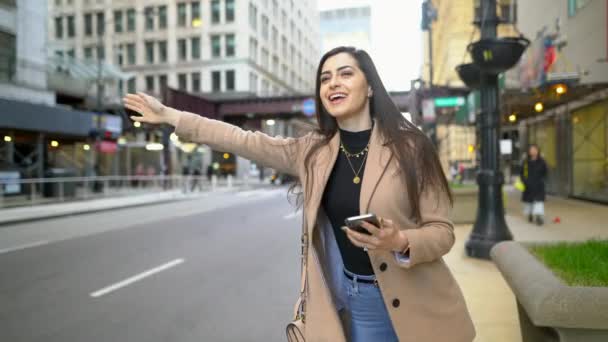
x,y
354,222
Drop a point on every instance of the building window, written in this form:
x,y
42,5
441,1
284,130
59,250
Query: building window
x,y
575,5
275,38
265,87
230,45
196,12
131,57
59,27
275,65
216,81
149,13
162,17
162,83
216,46
101,53
215,11
150,83
253,49
88,24
230,81
8,55
71,53
196,48
284,19
265,27
182,52
284,72
265,57
284,46
149,52
181,15
229,11
293,56
71,26
101,25
182,81
120,60
131,20
131,86
253,82
162,51
13,3
118,28
196,81
275,8
253,17
88,52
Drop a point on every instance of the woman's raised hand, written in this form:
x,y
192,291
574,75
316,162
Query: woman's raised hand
x,y
151,110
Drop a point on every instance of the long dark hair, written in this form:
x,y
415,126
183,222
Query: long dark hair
x,y
414,152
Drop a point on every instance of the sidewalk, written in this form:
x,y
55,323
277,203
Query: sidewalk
x,y
489,298
44,211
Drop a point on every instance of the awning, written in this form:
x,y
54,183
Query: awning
x,y
40,118
86,69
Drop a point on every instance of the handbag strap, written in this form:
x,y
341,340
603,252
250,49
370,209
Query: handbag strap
x,y
298,311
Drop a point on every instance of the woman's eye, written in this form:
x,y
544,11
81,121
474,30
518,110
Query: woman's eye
x,y
324,79
347,73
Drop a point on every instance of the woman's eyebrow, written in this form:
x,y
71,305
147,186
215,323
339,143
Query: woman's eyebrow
x,y
340,68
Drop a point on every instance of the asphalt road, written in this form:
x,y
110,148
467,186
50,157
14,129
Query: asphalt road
x,y
221,268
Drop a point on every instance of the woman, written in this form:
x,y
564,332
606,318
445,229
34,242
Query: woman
x,y
533,175
365,157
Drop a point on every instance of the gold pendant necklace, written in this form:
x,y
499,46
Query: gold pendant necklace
x,y
357,179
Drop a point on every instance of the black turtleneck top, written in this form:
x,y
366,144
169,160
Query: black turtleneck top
x,y
341,199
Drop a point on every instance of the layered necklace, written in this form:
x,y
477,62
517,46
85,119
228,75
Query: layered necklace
x,y
362,153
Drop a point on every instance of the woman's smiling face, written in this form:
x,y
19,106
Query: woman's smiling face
x,y
344,89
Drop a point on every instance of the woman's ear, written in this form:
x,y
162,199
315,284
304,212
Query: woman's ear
x,y
370,92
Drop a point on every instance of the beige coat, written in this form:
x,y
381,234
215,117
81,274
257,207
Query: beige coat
x,y
424,301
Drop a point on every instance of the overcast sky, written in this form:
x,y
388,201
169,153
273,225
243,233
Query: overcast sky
x,y
396,38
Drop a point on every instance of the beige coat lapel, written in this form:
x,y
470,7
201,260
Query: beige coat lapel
x,y
378,158
322,170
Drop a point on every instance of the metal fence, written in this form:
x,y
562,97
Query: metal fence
x,y
33,191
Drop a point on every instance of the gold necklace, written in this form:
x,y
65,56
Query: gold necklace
x,y
356,180
348,154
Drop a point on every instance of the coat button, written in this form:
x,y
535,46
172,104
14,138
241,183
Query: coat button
x,y
383,267
396,303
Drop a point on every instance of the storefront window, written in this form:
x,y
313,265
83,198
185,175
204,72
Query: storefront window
x,y
590,152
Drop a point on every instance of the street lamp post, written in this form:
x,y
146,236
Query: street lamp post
x,y
490,226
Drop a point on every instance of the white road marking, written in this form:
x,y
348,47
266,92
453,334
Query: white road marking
x,y
135,278
292,215
27,245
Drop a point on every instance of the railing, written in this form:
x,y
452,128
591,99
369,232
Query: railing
x,y
33,191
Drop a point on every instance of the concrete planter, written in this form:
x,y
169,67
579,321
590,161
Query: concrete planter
x,y
550,310
465,205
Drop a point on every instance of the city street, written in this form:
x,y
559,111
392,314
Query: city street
x,y
200,270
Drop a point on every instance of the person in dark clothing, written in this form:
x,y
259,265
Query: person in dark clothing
x,y
196,180
533,175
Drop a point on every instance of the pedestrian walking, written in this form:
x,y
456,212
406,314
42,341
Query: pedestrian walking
x,y
196,180
533,175
186,178
390,284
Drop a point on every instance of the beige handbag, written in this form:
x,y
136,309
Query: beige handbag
x,y
295,329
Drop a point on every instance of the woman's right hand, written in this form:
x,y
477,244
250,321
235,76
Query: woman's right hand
x,y
151,110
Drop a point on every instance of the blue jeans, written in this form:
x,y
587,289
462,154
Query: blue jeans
x,y
366,314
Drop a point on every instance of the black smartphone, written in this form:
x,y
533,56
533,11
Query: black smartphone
x,y
354,222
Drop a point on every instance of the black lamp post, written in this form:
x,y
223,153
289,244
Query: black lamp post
x,y
491,56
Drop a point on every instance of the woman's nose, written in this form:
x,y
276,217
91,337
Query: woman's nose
x,y
333,82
